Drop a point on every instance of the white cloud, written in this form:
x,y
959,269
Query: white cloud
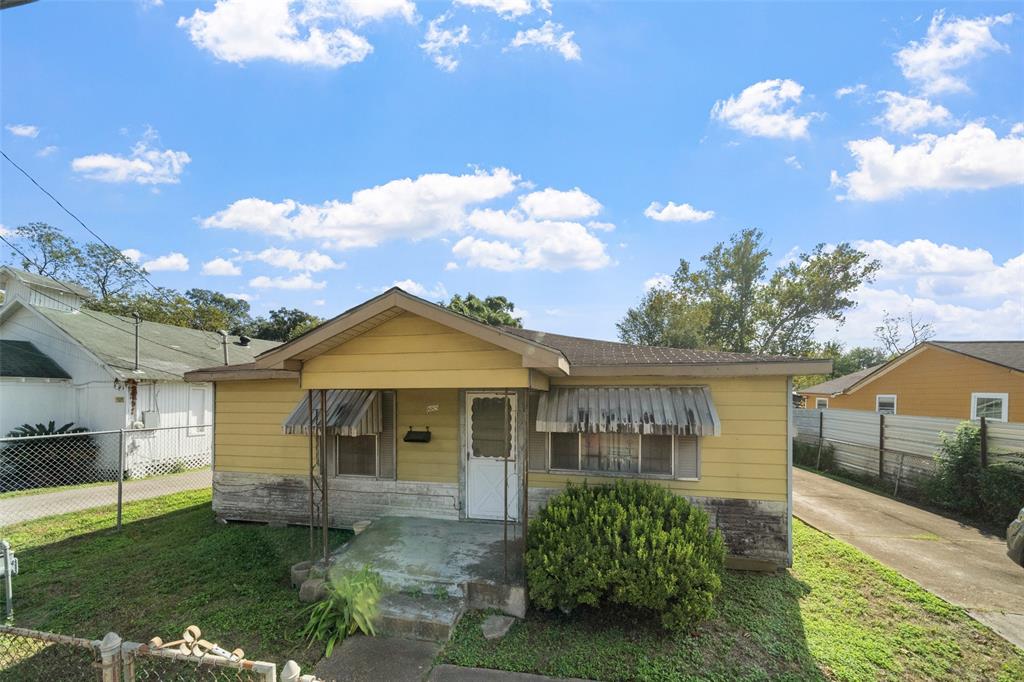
x,y
451,265
406,208
765,109
145,165
134,255
221,267
442,43
851,90
904,114
673,212
508,9
658,281
297,33
171,262
319,301
793,162
242,296
357,12
599,225
416,289
22,129
971,158
556,204
948,47
298,282
550,36
525,244
313,261
46,151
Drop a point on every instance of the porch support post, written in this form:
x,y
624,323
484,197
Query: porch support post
x,y
312,464
504,506
323,470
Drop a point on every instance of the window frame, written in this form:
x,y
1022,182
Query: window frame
x,y
196,430
1003,397
894,403
376,458
580,471
817,406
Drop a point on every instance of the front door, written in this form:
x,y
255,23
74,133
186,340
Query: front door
x,y
490,456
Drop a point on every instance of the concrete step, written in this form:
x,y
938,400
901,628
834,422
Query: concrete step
x,y
419,616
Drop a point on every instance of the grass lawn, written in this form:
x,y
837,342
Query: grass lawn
x,y
839,615
171,566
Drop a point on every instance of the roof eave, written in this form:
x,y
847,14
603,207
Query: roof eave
x,y
717,369
228,374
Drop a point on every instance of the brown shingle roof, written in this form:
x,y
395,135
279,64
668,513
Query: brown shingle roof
x,y
1006,353
840,384
592,352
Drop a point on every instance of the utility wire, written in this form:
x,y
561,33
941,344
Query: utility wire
x,y
87,313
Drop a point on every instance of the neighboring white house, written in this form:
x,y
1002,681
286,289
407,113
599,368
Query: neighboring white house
x,y
106,390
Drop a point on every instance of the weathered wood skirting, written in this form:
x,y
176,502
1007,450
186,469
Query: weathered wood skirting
x,y
240,496
754,529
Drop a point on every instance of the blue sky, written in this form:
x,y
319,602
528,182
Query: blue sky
x,y
562,154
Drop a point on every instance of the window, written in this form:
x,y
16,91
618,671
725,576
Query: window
x,y
355,455
885,404
990,406
624,453
196,410
821,403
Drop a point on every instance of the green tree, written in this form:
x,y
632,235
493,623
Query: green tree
x,y
107,272
49,252
215,311
197,308
283,324
731,303
493,310
843,362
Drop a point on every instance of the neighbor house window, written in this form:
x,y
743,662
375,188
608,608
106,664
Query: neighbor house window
x,y
355,455
885,404
821,403
990,406
196,411
624,453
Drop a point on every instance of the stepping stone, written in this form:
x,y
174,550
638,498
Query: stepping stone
x,y
496,627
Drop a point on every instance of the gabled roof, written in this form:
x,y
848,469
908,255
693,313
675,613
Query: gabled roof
x,y
1006,353
166,352
552,354
32,279
22,359
840,384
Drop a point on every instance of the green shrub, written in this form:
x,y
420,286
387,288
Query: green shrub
x,y
1001,492
41,462
351,605
806,454
633,544
957,471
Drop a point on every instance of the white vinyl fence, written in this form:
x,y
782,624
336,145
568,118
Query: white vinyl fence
x,y
894,447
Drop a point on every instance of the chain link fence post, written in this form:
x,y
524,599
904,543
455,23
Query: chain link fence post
x,y
110,655
120,476
8,566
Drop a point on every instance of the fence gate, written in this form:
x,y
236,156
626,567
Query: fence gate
x,y
29,655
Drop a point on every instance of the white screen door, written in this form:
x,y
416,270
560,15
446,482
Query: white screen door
x,y
491,444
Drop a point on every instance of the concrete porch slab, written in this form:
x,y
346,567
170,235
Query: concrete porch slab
x,y
433,554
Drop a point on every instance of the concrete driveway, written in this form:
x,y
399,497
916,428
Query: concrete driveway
x,y
30,507
957,562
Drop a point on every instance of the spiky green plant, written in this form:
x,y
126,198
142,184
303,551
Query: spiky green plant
x,y
351,605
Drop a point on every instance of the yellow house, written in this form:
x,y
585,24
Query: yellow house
x,y
430,413
956,379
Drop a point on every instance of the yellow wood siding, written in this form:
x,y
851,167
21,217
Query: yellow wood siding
x,y
247,428
409,351
438,460
747,461
937,383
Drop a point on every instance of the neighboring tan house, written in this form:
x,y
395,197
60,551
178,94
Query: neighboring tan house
x,y
430,413
955,379
99,386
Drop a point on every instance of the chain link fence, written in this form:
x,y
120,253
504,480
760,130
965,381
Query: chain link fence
x,y
52,474
30,655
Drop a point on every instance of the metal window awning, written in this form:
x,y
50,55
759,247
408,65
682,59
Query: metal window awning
x,y
685,410
350,412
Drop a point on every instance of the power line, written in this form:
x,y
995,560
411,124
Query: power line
x,y
140,271
100,320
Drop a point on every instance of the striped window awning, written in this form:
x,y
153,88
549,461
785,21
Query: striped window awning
x,y
685,410
350,412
